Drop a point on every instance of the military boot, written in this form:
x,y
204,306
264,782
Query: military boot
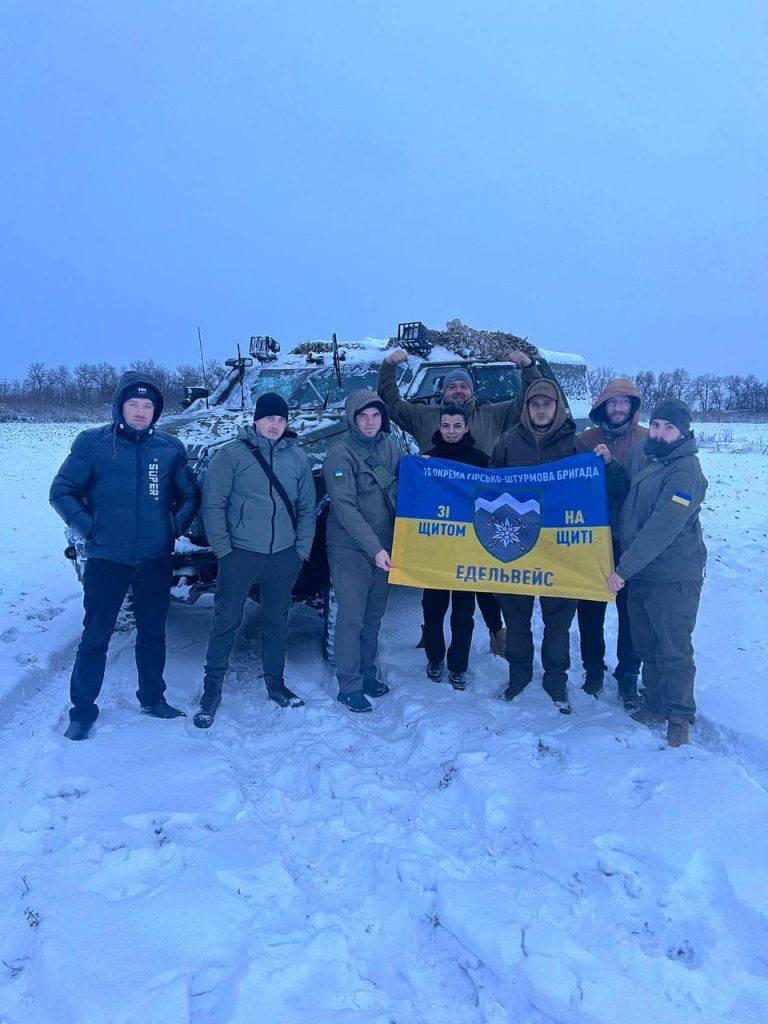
x,y
647,716
627,685
593,683
677,732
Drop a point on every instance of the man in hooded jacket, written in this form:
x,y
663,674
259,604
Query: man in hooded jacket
x,y
259,504
663,560
616,413
361,481
544,434
127,489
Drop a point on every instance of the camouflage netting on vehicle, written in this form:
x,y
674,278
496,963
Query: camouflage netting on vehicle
x,y
481,344
470,343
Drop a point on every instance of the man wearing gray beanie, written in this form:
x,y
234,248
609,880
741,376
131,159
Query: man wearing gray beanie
x,y
663,558
487,421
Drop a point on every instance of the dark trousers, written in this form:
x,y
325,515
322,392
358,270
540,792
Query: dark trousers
x,y
435,605
557,614
591,616
489,609
663,619
362,592
238,572
105,585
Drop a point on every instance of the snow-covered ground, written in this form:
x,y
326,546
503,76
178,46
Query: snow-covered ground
x,y
447,860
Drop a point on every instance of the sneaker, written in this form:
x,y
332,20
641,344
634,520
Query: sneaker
x,y
284,697
561,702
457,680
499,642
355,701
161,710
78,730
677,732
647,716
375,688
435,670
593,683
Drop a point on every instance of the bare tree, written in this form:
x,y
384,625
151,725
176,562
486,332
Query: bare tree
x,y
598,378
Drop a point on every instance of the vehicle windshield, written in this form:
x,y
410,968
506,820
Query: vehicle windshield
x,y
317,386
499,382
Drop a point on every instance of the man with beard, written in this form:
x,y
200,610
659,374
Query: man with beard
x,y
545,433
453,440
616,411
487,420
663,555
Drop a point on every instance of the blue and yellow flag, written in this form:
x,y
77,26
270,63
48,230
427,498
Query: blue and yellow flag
x,y
539,530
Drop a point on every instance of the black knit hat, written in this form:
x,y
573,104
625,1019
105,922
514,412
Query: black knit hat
x,y
674,411
140,390
270,404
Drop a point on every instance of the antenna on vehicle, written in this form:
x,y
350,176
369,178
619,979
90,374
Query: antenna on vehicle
x,y
202,365
337,359
241,368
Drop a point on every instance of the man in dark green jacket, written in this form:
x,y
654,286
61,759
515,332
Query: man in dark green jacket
x,y
487,421
360,478
260,536
663,558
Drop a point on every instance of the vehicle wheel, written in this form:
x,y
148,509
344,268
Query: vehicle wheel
x,y
330,609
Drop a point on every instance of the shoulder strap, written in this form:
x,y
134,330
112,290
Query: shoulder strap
x,y
272,479
384,477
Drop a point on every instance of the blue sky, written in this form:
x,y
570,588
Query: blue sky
x,y
591,174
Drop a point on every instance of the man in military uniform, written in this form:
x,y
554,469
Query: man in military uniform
x,y
361,480
662,561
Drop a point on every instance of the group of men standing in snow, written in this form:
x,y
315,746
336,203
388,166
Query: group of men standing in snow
x,y
127,489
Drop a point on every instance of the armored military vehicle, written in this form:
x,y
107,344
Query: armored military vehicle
x,y
315,379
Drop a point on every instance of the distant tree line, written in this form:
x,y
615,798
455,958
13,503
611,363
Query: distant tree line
x,y
706,393
85,392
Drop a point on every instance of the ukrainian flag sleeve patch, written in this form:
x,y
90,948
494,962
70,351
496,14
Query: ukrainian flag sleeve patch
x,y
680,498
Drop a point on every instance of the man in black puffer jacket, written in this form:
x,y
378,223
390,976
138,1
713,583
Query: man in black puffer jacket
x,y
127,489
452,440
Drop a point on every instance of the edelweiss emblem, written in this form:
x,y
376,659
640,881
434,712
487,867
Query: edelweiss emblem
x,y
506,533
507,527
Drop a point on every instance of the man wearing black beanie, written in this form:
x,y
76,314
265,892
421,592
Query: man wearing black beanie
x,y
128,491
259,516
663,558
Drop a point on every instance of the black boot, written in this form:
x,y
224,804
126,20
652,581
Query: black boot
x,y
593,683
435,670
513,690
282,696
628,692
457,680
209,705
78,730
161,710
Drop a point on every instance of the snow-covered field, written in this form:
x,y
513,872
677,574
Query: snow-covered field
x,y
447,860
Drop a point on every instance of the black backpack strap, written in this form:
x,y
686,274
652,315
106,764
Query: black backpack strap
x,y
273,480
